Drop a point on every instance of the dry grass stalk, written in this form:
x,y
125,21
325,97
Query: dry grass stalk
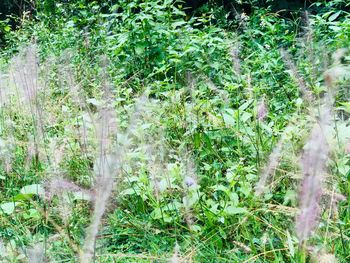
x,y
242,246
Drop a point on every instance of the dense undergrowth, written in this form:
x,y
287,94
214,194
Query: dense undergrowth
x,y
144,135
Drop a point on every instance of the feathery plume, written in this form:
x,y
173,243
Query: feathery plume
x,y
107,168
30,151
274,158
36,254
313,164
106,165
58,186
223,94
236,62
321,256
347,147
304,89
327,258
3,250
5,90
154,169
314,160
176,256
24,74
270,168
7,148
261,110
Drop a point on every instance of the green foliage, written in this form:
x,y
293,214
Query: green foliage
x,y
197,146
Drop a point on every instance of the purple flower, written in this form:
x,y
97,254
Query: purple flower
x,y
189,181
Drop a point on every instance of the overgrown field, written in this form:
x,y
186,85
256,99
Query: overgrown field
x,y
137,132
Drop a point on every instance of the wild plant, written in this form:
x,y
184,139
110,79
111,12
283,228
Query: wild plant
x,y
313,167
176,258
236,62
180,173
314,161
36,253
305,91
107,169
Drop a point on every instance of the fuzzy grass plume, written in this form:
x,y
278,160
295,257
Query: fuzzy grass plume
x,y
107,169
313,163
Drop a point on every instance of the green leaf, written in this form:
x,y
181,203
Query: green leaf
x,y
334,16
245,105
197,140
22,197
32,214
222,233
140,48
7,28
345,106
9,207
335,28
231,210
234,198
33,189
178,23
245,116
157,213
129,191
195,228
220,187
228,118
344,170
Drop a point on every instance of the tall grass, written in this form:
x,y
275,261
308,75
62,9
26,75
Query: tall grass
x,y
167,163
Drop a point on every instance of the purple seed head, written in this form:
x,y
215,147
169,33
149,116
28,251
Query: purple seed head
x,y
261,111
313,164
189,181
347,148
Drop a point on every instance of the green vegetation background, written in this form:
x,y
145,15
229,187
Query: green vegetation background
x,y
205,73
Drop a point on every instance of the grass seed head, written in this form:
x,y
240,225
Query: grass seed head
x,y
261,110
